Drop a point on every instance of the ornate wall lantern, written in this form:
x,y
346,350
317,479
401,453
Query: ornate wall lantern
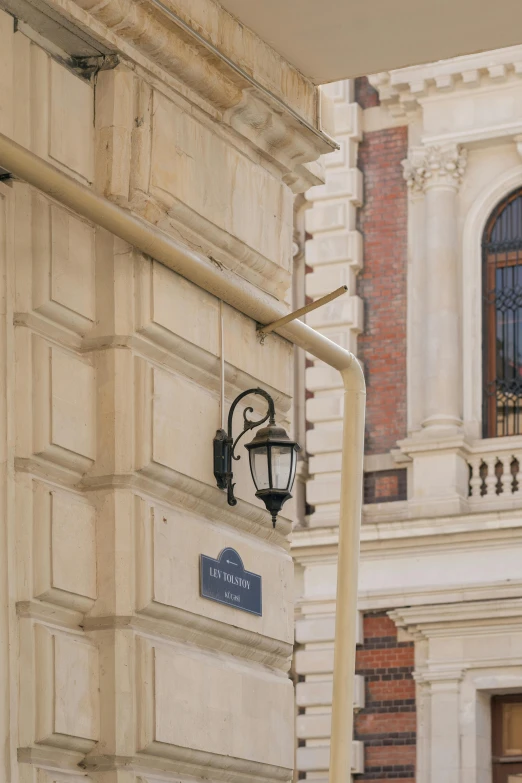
x,y
273,457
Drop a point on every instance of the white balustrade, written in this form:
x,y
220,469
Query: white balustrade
x,y
495,470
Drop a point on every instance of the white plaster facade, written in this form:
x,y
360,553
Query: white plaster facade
x,y
446,562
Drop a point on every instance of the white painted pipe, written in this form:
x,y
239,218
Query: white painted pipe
x,y
222,366
264,309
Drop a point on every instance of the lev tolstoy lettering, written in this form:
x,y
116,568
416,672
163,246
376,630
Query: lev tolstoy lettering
x,y
215,573
237,580
218,575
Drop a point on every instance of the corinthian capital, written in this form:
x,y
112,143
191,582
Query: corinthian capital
x,y
430,166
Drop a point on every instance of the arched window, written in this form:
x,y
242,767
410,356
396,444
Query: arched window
x,y
502,319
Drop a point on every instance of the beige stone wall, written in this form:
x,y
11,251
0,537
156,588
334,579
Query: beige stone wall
x,y
111,664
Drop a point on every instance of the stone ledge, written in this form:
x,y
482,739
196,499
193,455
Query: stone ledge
x,y
483,614
177,489
175,624
68,619
371,600
412,533
53,758
185,761
161,346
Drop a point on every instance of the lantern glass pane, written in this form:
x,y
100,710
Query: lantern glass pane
x,y
259,467
281,457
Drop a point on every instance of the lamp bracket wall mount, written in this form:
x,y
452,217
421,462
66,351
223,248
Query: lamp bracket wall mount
x,y
225,445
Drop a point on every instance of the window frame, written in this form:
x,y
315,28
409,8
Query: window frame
x,y
490,265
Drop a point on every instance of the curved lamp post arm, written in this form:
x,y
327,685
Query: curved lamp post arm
x,y
249,424
224,443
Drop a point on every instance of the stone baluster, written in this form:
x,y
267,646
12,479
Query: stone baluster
x,y
491,478
517,478
507,478
475,481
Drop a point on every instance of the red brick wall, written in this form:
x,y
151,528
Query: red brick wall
x,y
365,95
387,724
382,286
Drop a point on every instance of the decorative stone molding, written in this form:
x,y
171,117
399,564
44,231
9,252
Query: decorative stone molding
x,y
436,619
434,166
278,120
445,680
371,600
401,91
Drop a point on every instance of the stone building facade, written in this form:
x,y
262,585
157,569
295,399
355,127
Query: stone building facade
x,y
420,217
113,667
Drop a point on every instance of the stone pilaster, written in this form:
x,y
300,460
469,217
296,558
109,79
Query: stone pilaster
x,y
440,472
437,171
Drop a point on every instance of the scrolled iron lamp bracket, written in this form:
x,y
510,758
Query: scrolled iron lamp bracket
x,y
273,456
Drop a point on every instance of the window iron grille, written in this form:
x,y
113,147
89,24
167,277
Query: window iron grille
x,y
502,319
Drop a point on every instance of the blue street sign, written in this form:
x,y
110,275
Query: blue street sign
x,y
225,580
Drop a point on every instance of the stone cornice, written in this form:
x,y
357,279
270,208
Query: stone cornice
x,y
460,443
401,91
241,45
416,598
467,616
264,99
383,598
434,166
484,529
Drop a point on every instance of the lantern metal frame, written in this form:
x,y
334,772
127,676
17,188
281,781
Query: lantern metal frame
x,y
272,435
